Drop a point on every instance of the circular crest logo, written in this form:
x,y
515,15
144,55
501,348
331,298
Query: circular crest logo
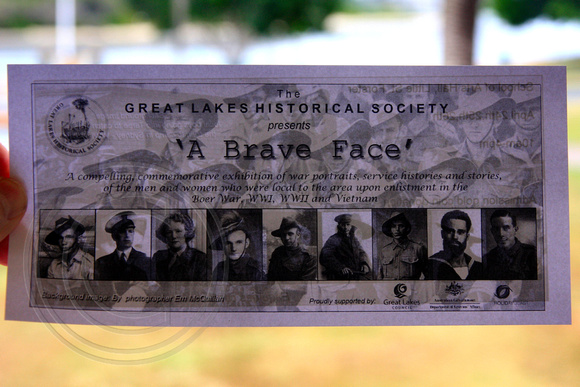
x,y
76,125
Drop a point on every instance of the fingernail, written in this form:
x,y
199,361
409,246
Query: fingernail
x,y
12,198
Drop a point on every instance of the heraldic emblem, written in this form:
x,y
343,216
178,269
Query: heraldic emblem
x,y
76,125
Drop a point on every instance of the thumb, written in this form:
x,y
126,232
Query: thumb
x,y
13,204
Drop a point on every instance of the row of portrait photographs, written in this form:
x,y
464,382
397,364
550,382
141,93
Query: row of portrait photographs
x,y
289,245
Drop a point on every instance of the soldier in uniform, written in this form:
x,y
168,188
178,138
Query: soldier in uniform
x,y
452,263
291,262
235,241
180,128
402,258
125,263
342,255
74,263
510,259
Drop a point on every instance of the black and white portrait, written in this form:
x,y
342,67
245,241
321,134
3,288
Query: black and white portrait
x,y
123,245
180,246
346,240
455,245
400,240
235,240
510,244
291,245
67,244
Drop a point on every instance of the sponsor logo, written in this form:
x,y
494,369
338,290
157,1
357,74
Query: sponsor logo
x,y
502,291
400,290
76,125
454,289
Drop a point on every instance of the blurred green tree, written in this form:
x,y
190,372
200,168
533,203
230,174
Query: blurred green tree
x,y
233,24
25,13
460,20
262,17
158,11
265,17
517,12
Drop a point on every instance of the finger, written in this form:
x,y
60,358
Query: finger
x,y
4,162
13,204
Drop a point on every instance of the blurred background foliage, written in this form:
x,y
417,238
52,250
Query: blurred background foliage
x,y
517,12
258,18
267,16
262,17
27,13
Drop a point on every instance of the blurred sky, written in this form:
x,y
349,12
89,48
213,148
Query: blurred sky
x,y
418,40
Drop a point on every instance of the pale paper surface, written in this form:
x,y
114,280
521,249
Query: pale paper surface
x,y
89,143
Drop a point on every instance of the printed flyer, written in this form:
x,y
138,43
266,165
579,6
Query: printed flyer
x,y
277,195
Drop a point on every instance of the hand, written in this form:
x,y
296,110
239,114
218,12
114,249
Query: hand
x,y
13,204
346,271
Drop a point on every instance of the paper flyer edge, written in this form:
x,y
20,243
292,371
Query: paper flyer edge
x,y
562,288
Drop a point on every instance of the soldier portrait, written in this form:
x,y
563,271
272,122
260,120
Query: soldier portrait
x,y
400,240
510,244
180,126
67,244
345,253
126,238
291,245
457,245
235,240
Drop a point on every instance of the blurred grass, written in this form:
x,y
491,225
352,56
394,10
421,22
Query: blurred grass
x,y
573,69
574,122
573,78
31,354
435,356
